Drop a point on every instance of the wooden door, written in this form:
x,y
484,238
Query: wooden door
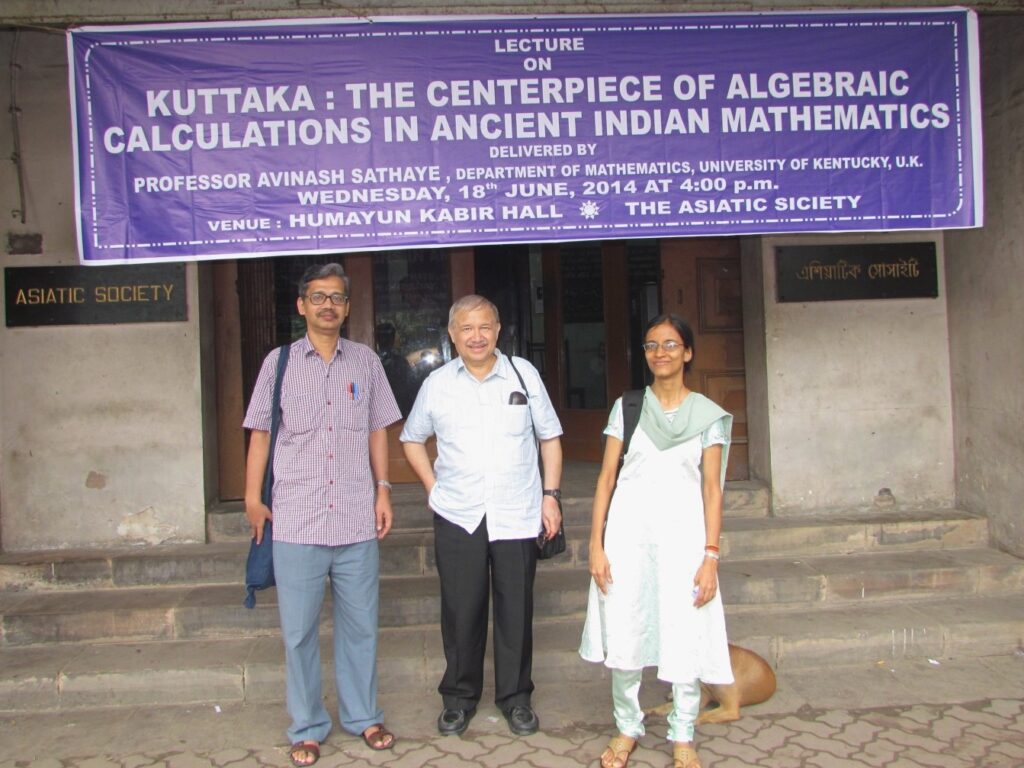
x,y
249,299
701,284
586,331
229,375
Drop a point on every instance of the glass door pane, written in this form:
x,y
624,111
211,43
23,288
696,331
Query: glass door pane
x,y
644,267
583,331
411,297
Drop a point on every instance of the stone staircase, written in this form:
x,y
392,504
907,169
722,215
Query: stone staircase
x,y
166,625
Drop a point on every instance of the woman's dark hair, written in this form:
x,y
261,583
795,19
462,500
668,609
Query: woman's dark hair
x,y
682,328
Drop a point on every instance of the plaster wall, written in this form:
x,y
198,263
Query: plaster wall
x,y
984,268
858,395
101,425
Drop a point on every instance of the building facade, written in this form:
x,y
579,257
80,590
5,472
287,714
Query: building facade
x,y
128,434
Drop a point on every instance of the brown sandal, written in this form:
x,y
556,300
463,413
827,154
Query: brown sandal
x,y
378,738
616,754
684,757
310,748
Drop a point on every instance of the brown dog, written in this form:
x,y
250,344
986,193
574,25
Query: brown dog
x,y
755,682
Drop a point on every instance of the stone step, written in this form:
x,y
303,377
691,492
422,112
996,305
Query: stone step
x,y
411,552
748,585
250,669
743,499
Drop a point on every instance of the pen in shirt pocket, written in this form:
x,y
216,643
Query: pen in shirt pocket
x,y
353,390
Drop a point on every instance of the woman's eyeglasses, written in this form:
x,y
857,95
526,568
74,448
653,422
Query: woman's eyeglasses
x,y
319,298
668,346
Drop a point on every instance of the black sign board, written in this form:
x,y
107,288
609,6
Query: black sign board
x,y
857,271
147,293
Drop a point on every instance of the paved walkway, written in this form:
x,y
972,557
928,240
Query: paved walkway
x,y
786,732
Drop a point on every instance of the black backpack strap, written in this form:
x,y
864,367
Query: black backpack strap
x,y
275,421
632,404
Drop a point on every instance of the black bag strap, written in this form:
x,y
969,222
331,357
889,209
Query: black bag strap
x,y
540,459
536,437
519,376
275,422
526,392
632,404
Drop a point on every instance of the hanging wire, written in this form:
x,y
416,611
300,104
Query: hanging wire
x,y
15,111
361,15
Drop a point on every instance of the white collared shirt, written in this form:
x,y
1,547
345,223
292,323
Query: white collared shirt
x,y
486,449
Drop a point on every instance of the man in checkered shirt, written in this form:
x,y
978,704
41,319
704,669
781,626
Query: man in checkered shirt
x,y
331,506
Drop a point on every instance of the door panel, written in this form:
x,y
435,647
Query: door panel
x,y
701,283
586,329
729,390
228,366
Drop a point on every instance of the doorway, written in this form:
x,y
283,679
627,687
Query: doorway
x,y
575,310
599,298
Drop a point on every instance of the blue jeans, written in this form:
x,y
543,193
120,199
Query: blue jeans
x,y
301,571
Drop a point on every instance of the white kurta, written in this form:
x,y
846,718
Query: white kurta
x,y
654,539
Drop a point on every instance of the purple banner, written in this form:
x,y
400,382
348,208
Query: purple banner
x,y
210,141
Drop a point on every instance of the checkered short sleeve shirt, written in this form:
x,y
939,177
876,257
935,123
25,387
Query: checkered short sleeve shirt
x,y
323,487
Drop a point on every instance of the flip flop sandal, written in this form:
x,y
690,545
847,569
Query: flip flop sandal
x,y
620,747
378,738
310,749
685,757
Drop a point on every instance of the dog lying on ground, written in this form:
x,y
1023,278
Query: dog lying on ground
x,y
755,682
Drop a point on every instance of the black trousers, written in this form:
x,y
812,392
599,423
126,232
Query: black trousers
x,y
470,566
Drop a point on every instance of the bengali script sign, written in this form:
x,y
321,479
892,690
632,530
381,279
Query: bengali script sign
x,y
846,272
249,139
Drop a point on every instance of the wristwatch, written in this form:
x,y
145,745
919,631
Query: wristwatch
x,y
556,492
384,484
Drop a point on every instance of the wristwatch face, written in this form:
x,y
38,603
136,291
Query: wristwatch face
x,y
557,493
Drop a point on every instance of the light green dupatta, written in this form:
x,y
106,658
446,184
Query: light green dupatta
x,y
696,413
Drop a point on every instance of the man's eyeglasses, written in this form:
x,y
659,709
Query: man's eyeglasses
x,y
319,298
668,346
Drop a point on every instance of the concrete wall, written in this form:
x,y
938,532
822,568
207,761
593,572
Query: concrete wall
x,y
116,11
857,393
100,426
985,269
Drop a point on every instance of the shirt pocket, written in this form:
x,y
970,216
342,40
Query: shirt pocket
x,y
516,420
353,410
514,448
301,413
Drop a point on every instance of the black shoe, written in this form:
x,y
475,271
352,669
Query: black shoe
x,y
522,720
452,722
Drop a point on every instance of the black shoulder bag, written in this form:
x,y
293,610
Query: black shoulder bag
x,y
546,548
259,567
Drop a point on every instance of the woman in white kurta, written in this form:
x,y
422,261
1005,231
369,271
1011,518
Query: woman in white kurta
x,y
654,598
